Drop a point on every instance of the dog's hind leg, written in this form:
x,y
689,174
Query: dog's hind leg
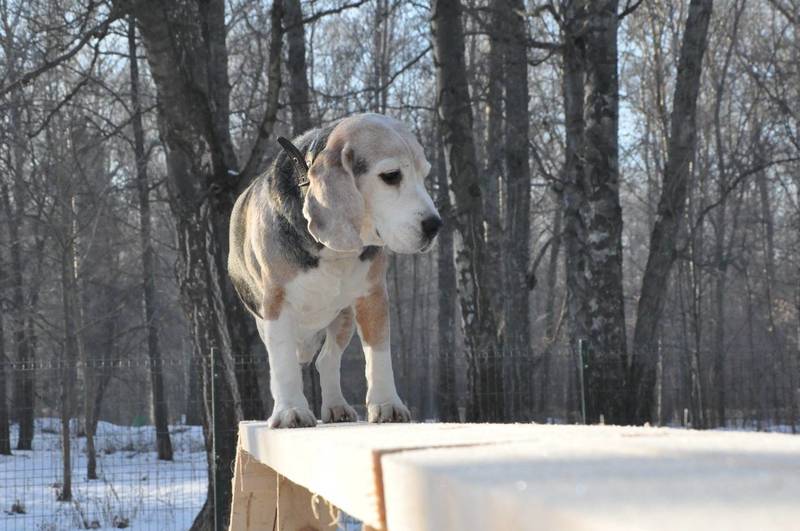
x,y
337,336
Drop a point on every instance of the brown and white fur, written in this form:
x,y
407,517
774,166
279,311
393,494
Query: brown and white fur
x,y
311,266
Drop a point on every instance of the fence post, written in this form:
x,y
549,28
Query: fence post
x,y
218,501
583,363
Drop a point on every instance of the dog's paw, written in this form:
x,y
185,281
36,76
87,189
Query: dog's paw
x,y
391,411
339,413
291,417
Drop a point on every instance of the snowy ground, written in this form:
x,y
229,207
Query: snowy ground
x,y
135,490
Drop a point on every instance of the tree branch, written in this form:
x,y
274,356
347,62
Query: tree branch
x,y
383,86
629,8
326,12
69,95
265,128
99,32
741,177
784,11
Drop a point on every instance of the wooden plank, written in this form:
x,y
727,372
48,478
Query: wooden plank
x,y
599,478
341,462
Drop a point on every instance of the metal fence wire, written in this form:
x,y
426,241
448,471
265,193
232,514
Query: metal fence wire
x,y
134,489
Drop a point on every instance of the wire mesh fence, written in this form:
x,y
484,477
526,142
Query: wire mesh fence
x,y
133,488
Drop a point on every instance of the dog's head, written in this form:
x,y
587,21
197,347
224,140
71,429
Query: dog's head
x,y
367,188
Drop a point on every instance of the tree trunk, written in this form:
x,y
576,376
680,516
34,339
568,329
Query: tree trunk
x,y
720,274
574,72
381,56
769,252
299,98
447,398
493,175
720,256
24,384
518,210
158,402
5,432
680,154
592,208
475,280
494,141
550,312
720,288
69,293
194,392
203,182
607,347
88,164
696,289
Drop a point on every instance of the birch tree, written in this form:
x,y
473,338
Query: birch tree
x,y
475,282
592,211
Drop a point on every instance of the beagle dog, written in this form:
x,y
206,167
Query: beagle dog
x,y
308,259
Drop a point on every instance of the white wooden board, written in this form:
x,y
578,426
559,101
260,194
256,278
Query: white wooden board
x,y
417,477
600,478
342,462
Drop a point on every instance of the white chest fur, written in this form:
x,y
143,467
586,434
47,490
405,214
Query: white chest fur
x,y
316,297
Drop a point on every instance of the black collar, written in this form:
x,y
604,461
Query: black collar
x,y
301,163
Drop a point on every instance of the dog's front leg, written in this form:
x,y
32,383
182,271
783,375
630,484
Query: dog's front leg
x,y
372,318
285,379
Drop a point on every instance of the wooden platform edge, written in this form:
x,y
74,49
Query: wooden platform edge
x,y
262,500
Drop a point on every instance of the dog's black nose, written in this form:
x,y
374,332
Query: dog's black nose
x,y
430,226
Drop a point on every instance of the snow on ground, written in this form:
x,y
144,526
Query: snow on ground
x,y
135,489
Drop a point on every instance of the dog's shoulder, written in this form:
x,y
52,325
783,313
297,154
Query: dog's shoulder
x,y
241,271
268,232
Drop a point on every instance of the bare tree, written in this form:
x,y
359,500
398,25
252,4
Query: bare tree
x,y
5,433
446,389
494,169
518,207
680,153
158,400
24,385
593,216
299,96
69,301
203,181
552,314
475,282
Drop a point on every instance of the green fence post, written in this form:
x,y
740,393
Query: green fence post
x,y
583,366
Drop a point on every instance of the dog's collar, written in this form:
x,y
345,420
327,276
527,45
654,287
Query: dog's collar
x,y
301,163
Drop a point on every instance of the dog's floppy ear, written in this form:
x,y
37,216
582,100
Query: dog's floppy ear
x,y
333,205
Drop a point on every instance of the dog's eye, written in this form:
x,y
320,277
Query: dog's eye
x,y
391,177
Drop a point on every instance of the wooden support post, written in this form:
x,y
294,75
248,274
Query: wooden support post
x,y
255,495
300,510
263,500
